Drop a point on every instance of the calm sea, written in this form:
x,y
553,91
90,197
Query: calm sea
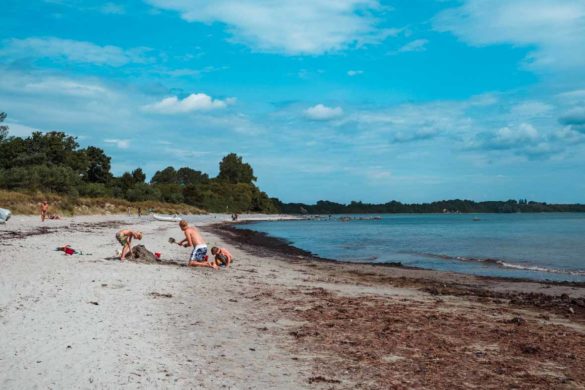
x,y
535,246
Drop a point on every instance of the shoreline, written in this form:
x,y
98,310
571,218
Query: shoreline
x,y
557,297
280,246
387,327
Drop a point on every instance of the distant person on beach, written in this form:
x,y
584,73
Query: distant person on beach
x,y
139,211
193,239
44,210
222,256
125,237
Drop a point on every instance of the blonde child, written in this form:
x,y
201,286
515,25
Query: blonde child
x,y
222,256
125,237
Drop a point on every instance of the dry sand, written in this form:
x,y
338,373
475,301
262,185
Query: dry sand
x,y
276,320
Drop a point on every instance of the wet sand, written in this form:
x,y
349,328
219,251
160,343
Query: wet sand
x,y
279,318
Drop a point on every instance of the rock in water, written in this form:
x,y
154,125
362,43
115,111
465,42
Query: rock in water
x,y
140,253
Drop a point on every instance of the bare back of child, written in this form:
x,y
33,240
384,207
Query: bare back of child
x,y
193,239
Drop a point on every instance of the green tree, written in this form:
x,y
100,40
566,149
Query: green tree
x,y
138,175
141,192
3,128
98,168
187,176
166,176
55,148
60,179
94,190
10,150
171,193
126,181
233,170
193,195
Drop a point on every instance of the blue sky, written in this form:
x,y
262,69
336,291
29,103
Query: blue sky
x,y
340,100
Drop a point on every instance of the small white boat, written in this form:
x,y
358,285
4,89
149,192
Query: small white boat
x,y
4,215
167,218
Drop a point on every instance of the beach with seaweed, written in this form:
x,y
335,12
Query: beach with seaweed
x,y
279,318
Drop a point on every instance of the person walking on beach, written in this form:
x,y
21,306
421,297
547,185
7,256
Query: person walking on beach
x,y
125,237
44,210
193,239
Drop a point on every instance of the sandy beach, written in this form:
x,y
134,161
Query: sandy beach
x,y
278,319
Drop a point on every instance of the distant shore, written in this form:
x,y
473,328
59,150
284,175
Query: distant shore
x,y
278,319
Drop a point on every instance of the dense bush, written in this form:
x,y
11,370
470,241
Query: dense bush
x,y
59,179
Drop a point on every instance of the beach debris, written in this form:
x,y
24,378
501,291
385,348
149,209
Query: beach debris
x,y
432,290
94,303
571,310
161,295
68,250
517,321
4,215
529,349
322,379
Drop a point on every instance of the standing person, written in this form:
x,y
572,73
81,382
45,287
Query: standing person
x,y
125,237
193,239
139,211
44,210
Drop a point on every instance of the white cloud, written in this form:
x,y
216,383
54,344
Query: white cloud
x,y
352,73
321,112
574,96
378,173
523,133
416,45
415,122
299,27
531,109
120,143
18,130
72,51
555,29
192,103
65,87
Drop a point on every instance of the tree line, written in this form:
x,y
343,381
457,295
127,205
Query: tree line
x,y
444,206
54,162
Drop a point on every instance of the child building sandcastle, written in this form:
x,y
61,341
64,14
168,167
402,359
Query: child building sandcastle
x,y
193,239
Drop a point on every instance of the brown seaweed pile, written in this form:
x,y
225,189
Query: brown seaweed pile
x,y
374,343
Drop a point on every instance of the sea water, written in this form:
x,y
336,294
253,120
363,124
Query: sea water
x,y
534,246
